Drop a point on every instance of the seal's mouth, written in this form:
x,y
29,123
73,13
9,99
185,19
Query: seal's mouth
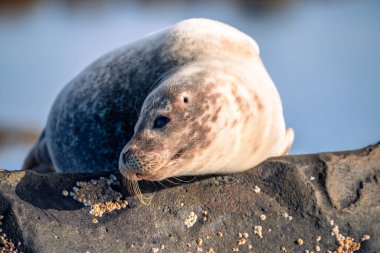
x,y
134,168
137,173
178,154
137,176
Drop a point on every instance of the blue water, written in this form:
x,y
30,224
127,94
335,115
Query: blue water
x,y
322,55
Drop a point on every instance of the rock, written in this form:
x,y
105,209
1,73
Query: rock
x,y
299,196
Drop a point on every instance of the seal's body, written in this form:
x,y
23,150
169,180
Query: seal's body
x,y
191,99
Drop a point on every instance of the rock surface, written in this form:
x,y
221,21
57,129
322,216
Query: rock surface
x,y
299,197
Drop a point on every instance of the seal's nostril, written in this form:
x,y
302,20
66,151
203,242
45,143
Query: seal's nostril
x,y
138,174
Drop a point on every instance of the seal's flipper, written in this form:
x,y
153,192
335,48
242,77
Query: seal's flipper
x,y
38,158
289,138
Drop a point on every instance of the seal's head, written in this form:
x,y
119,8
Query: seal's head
x,y
172,131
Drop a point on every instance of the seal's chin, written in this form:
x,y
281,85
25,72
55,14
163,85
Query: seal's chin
x,y
135,176
134,167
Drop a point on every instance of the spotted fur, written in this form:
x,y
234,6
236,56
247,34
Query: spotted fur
x,y
207,77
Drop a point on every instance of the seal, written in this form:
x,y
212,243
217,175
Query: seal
x,y
191,99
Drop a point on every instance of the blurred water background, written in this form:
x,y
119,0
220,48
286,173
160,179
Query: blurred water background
x,y
322,55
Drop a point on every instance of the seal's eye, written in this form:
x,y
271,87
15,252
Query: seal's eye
x,y
160,122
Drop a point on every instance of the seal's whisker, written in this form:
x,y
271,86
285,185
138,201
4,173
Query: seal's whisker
x,y
141,197
162,184
134,189
175,183
130,187
184,181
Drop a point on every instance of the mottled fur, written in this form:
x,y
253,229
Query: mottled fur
x,y
231,120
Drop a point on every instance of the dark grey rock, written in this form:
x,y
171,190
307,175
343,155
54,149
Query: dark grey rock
x,y
345,189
